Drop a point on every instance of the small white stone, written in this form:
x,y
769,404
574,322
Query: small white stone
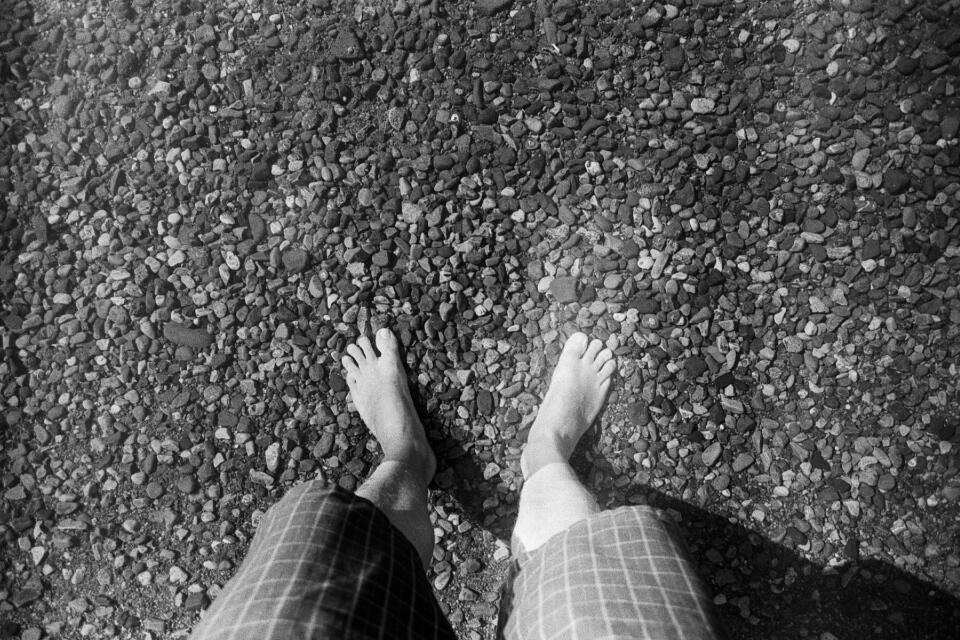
x,y
272,456
702,105
160,88
411,212
232,260
859,160
792,45
38,554
178,575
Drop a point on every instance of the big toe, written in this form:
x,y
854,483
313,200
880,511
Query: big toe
x,y
386,342
575,345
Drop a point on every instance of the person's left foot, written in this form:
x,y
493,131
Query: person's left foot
x,y
378,387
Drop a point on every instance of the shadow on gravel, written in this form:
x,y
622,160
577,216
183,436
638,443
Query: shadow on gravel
x,y
16,37
458,471
772,592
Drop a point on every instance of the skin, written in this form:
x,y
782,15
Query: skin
x,y
398,486
573,401
379,391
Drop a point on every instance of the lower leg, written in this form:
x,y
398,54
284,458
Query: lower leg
x,y
553,497
400,491
551,500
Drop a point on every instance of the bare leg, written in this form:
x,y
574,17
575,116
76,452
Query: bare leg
x,y
380,393
552,497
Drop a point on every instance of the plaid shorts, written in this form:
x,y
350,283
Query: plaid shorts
x,y
618,574
328,564
325,563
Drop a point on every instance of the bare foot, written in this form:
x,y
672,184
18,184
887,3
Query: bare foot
x,y
378,387
576,394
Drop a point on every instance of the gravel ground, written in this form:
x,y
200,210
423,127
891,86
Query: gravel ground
x,y
754,203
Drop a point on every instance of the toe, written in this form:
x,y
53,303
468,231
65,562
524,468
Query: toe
x,y
606,371
593,350
359,357
367,346
386,341
349,365
576,344
603,358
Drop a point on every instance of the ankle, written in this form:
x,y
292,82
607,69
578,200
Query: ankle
x,y
418,460
539,452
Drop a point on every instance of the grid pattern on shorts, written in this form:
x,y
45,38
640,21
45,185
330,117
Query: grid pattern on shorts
x,y
326,563
618,574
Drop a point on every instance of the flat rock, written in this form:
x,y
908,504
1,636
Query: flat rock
x,y
260,173
490,7
257,227
695,366
871,248
673,58
686,195
896,181
295,259
346,46
949,126
184,336
711,454
484,402
564,289
644,305
188,484
742,461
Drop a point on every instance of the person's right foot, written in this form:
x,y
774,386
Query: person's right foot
x,y
573,401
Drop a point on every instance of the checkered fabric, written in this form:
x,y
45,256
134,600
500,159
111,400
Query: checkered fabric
x,y
326,563
621,574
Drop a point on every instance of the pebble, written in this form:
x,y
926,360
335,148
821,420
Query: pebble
x,y
711,454
741,462
257,227
651,18
564,289
295,260
187,336
860,158
411,212
188,484
702,105
177,575
895,181
490,7
346,45
272,457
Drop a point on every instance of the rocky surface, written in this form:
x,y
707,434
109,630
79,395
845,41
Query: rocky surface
x,y
753,203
